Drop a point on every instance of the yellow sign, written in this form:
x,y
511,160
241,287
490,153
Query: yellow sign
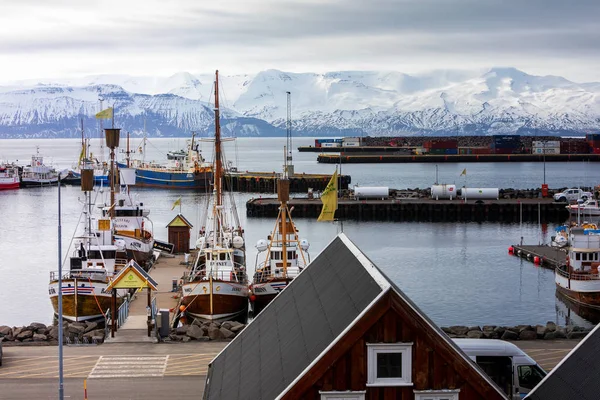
x,y
130,281
104,225
178,222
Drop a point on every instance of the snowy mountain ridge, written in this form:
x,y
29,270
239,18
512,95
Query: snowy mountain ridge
x,y
499,100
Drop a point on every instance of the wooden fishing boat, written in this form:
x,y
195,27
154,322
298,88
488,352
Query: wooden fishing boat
x,y
216,288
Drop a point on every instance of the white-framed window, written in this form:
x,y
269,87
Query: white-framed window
x,y
445,394
359,395
389,364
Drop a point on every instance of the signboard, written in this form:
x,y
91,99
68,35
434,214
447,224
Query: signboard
x,y
130,280
163,246
104,225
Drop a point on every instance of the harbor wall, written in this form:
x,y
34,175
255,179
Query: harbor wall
x,y
346,158
421,210
262,183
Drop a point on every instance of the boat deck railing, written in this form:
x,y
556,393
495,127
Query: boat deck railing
x,y
79,274
578,277
230,275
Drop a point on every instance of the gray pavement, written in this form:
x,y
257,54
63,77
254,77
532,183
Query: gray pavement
x,y
147,371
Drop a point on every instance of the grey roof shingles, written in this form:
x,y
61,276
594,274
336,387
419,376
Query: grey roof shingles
x,y
577,376
294,329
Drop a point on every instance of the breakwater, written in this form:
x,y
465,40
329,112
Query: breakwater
x,y
425,210
263,182
549,331
345,158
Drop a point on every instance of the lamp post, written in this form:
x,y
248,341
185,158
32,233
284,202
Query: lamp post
x,y
61,393
544,156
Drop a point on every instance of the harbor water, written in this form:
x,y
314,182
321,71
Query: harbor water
x,y
458,273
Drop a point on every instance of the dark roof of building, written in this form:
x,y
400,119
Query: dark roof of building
x,y
576,376
296,329
182,218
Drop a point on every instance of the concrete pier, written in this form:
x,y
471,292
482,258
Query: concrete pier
x,y
420,209
549,257
266,182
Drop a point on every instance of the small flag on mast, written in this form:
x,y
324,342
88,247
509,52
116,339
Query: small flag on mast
x,y
176,203
105,114
329,199
464,173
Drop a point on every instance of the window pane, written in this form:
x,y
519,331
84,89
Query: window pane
x,y
389,365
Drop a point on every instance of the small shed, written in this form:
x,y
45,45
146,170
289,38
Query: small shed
x,y
179,233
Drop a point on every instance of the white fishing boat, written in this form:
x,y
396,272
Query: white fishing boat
x,y
579,278
586,209
38,174
131,224
216,288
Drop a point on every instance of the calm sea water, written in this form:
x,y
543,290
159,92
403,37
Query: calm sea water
x,y
458,273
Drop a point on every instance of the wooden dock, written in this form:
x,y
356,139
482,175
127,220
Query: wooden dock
x,y
549,257
452,158
420,209
266,182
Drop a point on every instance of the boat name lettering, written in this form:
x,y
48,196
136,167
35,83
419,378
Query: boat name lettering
x,y
236,289
187,289
220,263
52,291
259,290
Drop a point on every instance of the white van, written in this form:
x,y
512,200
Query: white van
x,y
513,370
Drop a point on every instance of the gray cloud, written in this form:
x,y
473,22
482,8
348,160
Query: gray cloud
x,y
387,29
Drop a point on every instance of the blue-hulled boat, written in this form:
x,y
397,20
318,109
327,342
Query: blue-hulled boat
x,y
182,170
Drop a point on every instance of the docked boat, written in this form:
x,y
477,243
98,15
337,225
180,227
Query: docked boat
x,y
131,225
579,279
9,177
93,262
283,255
216,288
585,209
38,174
182,170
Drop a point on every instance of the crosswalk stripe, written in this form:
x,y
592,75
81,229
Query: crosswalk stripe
x,y
129,367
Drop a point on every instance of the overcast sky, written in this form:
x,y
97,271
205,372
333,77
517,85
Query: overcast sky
x,y
64,38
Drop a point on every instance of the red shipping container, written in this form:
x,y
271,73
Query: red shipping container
x,y
596,150
427,144
506,151
444,144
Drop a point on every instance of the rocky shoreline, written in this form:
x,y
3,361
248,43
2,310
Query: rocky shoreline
x,y
38,334
549,331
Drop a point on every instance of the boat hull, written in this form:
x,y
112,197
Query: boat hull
x,y
38,183
9,185
85,303
139,250
173,179
229,300
264,293
586,292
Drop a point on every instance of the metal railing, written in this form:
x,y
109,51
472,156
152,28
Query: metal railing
x,y
154,315
123,312
107,323
578,277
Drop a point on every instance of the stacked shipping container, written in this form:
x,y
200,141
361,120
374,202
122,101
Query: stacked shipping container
x,y
506,144
448,146
593,140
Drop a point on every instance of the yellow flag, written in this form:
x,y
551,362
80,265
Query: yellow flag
x,y
176,203
329,199
104,114
464,173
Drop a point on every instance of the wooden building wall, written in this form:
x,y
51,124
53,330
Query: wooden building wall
x,y
434,365
180,237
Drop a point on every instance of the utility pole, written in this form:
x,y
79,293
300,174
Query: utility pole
x,y
288,132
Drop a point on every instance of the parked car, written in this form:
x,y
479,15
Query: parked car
x,y
572,195
513,370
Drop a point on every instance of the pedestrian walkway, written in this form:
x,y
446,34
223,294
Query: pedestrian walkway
x,y
135,329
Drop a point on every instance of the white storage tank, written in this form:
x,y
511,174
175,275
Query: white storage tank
x,y
480,193
371,192
443,191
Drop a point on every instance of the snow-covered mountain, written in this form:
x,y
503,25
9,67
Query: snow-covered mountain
x,y
499,100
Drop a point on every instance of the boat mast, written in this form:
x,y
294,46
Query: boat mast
x,y
283,194
218,162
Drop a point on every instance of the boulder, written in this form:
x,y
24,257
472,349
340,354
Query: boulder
x,y
37,326
175,338
24,334
540,330
560,333
488,328
576,335
39,337
215,324
459,329
491,334
5,330
474,328
237,328
550,326
227,324
514,329
523,328
90,326
17,331
181,330
76,329
98,339
186,339
475,334
97,332
28,340
194,332
499,330
550,335
446,330
509,335
527,335
227,334
215,333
